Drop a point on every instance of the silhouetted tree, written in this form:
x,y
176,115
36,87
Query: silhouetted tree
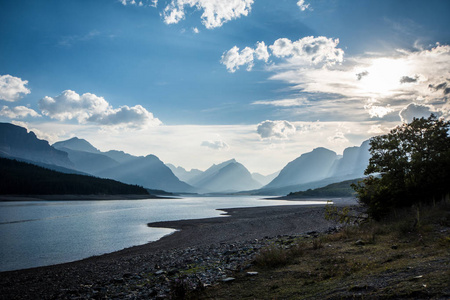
x,y
409,165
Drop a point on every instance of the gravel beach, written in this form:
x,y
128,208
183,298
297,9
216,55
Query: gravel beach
x,y
207,249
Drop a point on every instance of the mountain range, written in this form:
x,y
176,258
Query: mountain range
x,y
319,168
147,171
314,169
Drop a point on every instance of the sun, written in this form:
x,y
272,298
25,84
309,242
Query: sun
x,y
382,77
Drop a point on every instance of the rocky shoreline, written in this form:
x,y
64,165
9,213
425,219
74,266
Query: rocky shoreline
x,y
202,253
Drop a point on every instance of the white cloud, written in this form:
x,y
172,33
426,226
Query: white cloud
x,y
261,52
338,138
376,110
18,112
215,12
216,145
234,58
12,88
153,3
416,111
313,50
283,103
195,30
303,5
90,108
316,51
275,129
134,117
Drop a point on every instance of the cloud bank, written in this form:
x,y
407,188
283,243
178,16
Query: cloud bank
x,y
90,108
12,88
18,112
317,51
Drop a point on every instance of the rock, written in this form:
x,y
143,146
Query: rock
x,y
173,272
359,243
160,272
228,279
252,273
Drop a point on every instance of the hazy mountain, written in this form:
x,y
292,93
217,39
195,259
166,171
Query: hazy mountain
x,y
86,158
196,180
16,142
317,169
76,144
119,156
149,172
265,179
183,174
89,162
353,162
229,176
309,167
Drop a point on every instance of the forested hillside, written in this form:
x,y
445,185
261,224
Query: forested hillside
x,y
19,178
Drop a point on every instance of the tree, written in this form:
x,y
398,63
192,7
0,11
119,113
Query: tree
x,y
409,165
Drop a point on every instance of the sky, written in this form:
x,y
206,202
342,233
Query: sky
x,y
198,82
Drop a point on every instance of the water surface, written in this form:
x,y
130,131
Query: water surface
x,y
41,233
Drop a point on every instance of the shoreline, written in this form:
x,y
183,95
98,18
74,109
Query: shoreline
x,y
244,226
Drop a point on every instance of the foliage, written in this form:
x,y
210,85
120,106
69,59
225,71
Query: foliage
x,y
19,178
409,165
333,213
339,189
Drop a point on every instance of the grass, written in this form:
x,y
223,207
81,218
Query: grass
x,y
407,255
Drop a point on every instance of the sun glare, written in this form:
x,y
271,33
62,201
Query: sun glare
x,y
382,78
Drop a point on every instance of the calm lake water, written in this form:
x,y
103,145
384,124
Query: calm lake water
x,y
34,234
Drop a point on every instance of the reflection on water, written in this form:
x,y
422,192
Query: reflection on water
x,y
49,232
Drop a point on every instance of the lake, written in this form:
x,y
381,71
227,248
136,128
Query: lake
x,y
40,233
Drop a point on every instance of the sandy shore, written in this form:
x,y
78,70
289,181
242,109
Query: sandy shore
x,y
241,224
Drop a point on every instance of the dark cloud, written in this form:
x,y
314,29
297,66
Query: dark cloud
x,y
442,86
361,75
407,79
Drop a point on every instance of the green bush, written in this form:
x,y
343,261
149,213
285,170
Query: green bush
x,y
410,165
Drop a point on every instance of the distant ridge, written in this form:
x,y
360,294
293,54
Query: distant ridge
x,y
149,171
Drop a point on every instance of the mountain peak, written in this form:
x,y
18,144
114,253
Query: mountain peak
x,y
76,144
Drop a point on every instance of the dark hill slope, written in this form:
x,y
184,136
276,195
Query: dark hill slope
x,y
19,178
16,142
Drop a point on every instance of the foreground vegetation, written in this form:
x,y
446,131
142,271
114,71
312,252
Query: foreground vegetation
x,y
410,165
20,178
405,255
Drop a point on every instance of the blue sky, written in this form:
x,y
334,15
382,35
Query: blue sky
x,y
197,82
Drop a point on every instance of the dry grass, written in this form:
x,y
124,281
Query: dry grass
x,y
397,257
